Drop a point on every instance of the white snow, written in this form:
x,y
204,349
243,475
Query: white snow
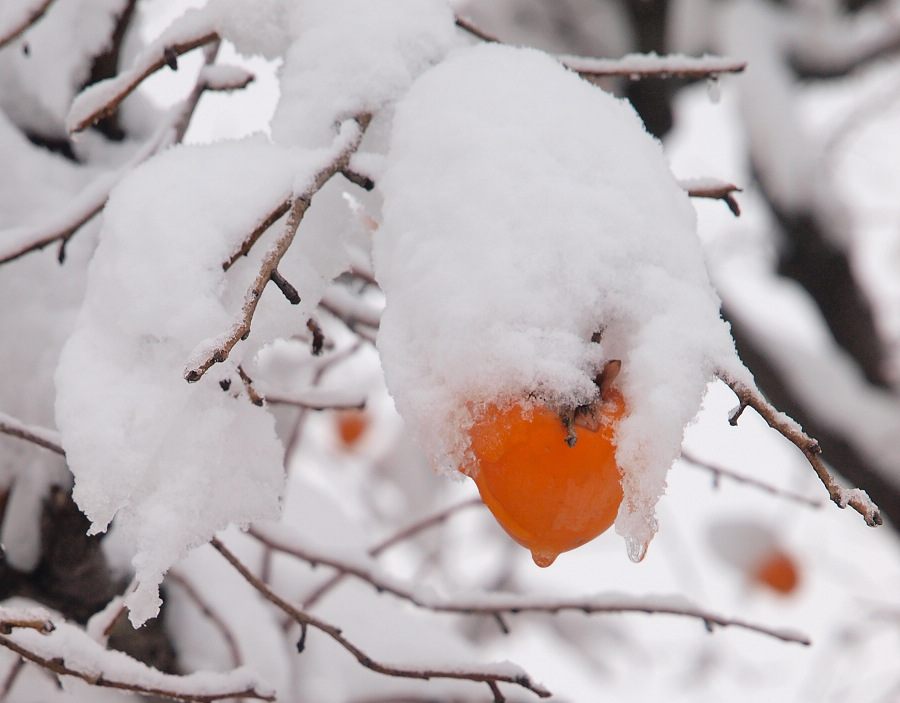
x,y
175,462
352,56
544,213
37,85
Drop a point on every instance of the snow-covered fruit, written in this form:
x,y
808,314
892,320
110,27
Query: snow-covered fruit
x,y
551,487
525,209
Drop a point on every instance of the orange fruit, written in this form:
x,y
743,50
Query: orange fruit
x,y
549,497
350,426
779,572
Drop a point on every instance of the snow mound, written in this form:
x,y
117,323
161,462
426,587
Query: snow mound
x,y
173,462
524,211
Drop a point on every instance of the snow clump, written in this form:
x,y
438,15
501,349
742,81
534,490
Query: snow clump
x,y
526,210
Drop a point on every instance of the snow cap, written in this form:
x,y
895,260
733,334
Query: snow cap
x,y
526,210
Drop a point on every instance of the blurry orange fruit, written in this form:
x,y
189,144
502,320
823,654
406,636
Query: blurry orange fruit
x,y
350,426
550,497
779,572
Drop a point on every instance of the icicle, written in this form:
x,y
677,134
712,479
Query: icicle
x,y
636,549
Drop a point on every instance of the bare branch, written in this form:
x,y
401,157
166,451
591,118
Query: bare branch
x,y
289,292
211,615
317,398
11,677
715,190
475,31
20,25
305,619
217,351
790,430
718,471
502,605
48,439
255,397
270,219
401,536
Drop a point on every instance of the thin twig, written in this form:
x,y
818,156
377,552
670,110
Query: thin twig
x,y
222,347
633,66
512,606
270,219
255,397
720,471
638,66
303,618
401,536
790,430
289,292
11,676
27,20
475,31
48,439
214,618
93,199
126,83
715,190
58,666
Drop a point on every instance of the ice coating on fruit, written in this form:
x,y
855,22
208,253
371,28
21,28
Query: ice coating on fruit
x,y
549,497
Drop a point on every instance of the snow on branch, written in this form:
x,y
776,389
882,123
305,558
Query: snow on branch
x,y
67,650
714,189
632,66
62,225
637,66
217,350
790,430
283,540
19,17
492,676
102,99
24,618
48,439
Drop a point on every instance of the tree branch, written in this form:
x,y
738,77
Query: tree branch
x,y
48,439
396,538
217,621
639,66
720,471
218,350
102,99
305,619
51,647
633,66
20,25
62,226
790,430
499,606
713,189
